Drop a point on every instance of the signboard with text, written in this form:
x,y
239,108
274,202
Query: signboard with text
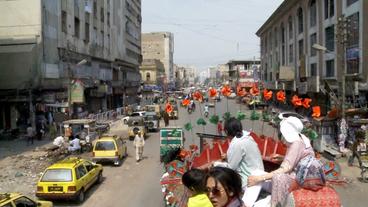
x,y
77,92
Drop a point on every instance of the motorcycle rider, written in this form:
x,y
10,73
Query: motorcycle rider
x,y
206,110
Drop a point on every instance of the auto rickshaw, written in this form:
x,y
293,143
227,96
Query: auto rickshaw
x,y
136,124
84,128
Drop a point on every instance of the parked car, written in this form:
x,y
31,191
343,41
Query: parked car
x,y
154,108
68,179
134,114
109,148
152,121
16,199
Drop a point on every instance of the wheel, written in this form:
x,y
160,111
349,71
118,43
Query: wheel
x,y
125,121
99,178
81,196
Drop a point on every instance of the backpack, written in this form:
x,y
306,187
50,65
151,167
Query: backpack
x,y
310,174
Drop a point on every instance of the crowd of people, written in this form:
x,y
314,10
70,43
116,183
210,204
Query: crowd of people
x,y
239,178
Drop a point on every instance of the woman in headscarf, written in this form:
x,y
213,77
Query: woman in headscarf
x,y
298,163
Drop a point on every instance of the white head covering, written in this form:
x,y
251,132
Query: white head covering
x,y
291,129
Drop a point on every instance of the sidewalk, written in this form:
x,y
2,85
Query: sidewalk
x,y
19,146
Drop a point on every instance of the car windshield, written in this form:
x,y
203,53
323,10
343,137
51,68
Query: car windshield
x,y
150,118
105,145
57,175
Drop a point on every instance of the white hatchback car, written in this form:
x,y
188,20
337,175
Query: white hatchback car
x,y
137,113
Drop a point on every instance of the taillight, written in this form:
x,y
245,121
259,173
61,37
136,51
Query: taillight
x,y
116,153
93,154
40,188
72,188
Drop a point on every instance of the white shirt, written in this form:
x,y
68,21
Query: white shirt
x,y
75,143
138,141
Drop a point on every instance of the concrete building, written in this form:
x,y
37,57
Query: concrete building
x,y
49,49
179,76
153,72
290,61
160,46
224,72
242,72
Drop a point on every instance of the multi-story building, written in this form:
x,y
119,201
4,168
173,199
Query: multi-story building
x,y
224,72
160,46
241,72
179,76
55,54
302,50
153,72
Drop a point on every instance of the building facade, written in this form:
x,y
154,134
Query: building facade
x,y
160,46
242,73
49,49
153,72
303,49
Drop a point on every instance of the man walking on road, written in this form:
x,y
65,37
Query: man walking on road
x,y
166,118
139,145
30,134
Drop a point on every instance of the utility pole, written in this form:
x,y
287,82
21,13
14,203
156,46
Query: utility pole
x,y
341,38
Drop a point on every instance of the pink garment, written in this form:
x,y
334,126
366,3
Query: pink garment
x,y
281,182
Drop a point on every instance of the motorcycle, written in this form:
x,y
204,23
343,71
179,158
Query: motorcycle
x,y
206,114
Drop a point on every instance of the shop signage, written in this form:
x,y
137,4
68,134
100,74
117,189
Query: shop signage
x,y
77,92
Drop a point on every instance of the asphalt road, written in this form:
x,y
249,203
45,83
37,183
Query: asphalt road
x,y
137,185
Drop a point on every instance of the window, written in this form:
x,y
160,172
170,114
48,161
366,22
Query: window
x,y
95,39
275,37
329,8
108,18
108,40
64,27
80,171
86,32
291,53
88,166
105,145
102,14
313,13
330,68
352,46
57,175
330,38
94,8
148,77
76,27
283,49
102,38
290,22
24,202
301,48
300,20
350,2
313,69
313,40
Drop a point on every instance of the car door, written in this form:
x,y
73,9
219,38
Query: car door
x,y
92,172
24,202
82,178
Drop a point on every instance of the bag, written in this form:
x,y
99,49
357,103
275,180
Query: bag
x,y
310,174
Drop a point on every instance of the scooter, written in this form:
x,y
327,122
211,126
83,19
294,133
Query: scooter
x,y
206,114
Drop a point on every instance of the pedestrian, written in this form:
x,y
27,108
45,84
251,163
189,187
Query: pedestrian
x,y
30,134
358,147
139,145
194,181
224,187
74,145
219,128
299,168
243,154
343,134
166,118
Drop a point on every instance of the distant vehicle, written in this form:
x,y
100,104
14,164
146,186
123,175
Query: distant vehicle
x,y
68,179
136,124
109,148
152,121
16,199
134,114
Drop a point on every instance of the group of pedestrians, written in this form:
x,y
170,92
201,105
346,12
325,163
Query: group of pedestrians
x,y
239,178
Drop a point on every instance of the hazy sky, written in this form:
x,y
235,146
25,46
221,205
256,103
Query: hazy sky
x,y
209,32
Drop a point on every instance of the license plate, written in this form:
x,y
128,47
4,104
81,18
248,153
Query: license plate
x,y
55,188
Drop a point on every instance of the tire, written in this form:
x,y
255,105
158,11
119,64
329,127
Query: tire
x,y
99,178
125,121
81,196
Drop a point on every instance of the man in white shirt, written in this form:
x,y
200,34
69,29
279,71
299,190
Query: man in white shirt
x,y
59,141
74,145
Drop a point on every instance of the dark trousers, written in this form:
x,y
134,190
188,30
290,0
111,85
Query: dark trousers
x,y
29,140
351,158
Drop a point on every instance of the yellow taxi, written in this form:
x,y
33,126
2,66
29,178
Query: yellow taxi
x,y
16,199
68,179
109,148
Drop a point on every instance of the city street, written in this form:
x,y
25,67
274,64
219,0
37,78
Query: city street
x,y
134,184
